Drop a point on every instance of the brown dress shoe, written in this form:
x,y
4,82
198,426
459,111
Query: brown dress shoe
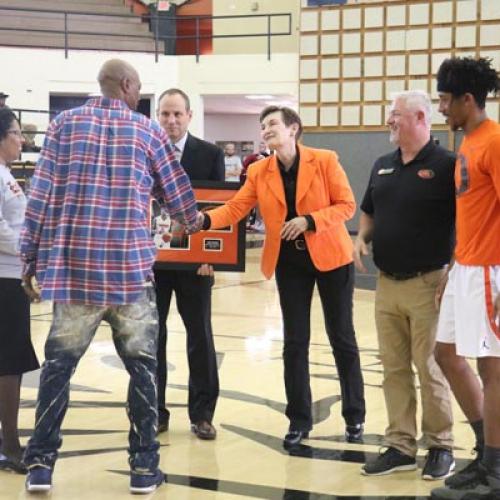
x,y
204,430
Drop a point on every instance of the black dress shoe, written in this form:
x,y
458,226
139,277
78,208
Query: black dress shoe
x,y
12,465
293,438
204,430
163,420
354,433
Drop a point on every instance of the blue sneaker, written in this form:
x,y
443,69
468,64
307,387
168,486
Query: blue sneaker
x,y
145,482
39,478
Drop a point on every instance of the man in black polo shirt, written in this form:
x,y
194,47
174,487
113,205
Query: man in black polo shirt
x,y
408,214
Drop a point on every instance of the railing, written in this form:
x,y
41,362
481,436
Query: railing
x,y
154,20
20,111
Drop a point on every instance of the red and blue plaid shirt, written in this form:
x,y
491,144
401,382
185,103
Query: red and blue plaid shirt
x,y
87,222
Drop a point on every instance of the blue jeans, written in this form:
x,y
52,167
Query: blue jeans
x,y
135,335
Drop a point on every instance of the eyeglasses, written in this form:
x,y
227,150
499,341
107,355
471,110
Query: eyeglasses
x,y
17,133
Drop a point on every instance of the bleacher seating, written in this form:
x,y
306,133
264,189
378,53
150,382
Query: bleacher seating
x,y
16,27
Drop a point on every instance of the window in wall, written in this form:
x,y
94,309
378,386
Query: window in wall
x,y
58,103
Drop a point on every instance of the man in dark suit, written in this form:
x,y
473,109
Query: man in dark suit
x,y
201,161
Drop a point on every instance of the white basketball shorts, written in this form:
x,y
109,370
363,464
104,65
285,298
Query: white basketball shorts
x,y
466,317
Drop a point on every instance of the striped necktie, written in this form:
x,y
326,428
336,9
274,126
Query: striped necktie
x,y
178,153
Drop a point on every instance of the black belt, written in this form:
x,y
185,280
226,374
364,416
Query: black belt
x,y
299,244
409,276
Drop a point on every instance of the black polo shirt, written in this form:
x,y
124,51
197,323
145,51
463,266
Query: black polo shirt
x,y
413,206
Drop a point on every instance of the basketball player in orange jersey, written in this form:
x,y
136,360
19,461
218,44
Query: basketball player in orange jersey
x,y
470,307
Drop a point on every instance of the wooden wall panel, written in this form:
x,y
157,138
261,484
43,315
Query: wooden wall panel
x,y
366,50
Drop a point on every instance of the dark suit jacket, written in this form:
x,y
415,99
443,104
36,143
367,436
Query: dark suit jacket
x,y
202,160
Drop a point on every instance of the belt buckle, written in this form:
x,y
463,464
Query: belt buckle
x,y
300,244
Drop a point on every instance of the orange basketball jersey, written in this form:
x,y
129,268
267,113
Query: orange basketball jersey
x,y
477,179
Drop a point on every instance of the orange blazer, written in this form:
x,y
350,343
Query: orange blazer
x,y
323,191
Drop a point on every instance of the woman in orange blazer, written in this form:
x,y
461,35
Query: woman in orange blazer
x,y
304,198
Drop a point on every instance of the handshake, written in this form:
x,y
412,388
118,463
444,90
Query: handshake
x,y
177,238
198,225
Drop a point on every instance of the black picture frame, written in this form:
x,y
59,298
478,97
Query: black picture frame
x,y
228,255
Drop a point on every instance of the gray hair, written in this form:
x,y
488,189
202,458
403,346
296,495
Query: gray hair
x,y
416,100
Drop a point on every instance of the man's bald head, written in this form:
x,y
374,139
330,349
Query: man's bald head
x,y
119,80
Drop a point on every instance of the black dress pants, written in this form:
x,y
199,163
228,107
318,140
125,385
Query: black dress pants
x,y
296,276
193,294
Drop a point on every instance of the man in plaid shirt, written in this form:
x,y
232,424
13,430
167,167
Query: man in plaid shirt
x,y
88,240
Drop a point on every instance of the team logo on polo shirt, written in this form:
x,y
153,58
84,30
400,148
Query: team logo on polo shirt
x,y
426,173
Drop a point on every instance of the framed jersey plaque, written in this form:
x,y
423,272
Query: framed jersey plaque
x,y
223,248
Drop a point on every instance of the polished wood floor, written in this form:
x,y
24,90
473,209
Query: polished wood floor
x,y
246,460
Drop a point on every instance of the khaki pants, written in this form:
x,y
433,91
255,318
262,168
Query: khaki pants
x,y
406,325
